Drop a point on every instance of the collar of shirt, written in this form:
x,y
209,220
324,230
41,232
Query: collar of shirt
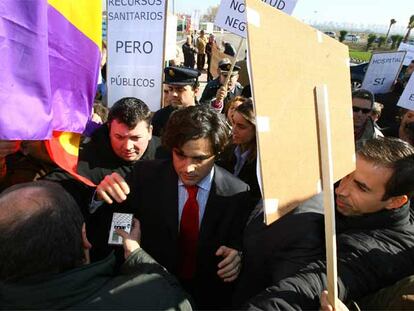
x,y
241,158
204,187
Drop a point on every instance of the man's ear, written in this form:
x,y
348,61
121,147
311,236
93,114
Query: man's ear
x,y
396,202
196,91
85,241
150,131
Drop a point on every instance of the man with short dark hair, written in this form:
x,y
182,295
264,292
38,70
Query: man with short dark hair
x,y
182,85
374,232
124,139
364,127
194,228
45,263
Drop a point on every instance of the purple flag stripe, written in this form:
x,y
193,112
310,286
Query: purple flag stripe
x,y
25,111
48,72
74,63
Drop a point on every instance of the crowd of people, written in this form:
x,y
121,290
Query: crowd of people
x,y
187,173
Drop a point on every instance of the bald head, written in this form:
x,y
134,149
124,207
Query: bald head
x,y
22,201
40,231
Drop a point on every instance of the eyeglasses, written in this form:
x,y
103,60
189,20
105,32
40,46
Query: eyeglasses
x,y
363,110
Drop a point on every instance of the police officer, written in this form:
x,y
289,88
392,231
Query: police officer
x,y
182,86
216,94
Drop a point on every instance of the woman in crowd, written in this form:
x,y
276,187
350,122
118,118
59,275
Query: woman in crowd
x,y
240,157
231,107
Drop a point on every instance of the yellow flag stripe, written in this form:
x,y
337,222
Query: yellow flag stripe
x,y
70,142
86,15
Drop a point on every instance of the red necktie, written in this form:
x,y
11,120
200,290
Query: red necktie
x,y
188,235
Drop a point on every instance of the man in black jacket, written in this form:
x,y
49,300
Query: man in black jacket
x,y
192,212
45,263
271,253
120,142
115,146
375,232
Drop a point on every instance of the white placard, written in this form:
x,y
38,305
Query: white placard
x,y
382,71
135,50
409,48
195,20
231,15
407,98
171,37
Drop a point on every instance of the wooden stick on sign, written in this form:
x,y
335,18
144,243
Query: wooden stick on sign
x,y
233,63
325,154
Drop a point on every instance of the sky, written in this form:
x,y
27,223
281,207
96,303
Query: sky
x,y
365,14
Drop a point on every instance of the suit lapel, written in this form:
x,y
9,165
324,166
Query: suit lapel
x,y
212,211
169,200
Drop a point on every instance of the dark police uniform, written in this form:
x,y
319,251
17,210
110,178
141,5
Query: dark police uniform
x,y
212,87
173,75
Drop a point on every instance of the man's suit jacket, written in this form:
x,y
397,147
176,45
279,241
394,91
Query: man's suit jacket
x,y
154,201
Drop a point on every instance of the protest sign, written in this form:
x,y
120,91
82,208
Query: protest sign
x,y
135,51
407,97
382,71
409,48
195,20
309,75
231,15
171,37
285,105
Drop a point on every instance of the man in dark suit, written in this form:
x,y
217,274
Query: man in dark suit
x,y
192,212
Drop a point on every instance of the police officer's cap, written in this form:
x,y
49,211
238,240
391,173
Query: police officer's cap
x,y
225,67
180,75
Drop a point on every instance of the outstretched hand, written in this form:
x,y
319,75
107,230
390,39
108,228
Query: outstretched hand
x,y
113,187
131,241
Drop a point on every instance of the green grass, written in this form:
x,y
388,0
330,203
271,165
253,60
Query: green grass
x,y
364,56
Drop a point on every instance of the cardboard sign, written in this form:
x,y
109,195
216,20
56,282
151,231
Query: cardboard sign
x,y
231,15
382,71
284,96
310,73
407,97
409,48
135,51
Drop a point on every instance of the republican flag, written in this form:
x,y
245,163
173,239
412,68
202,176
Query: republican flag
x,y
63,149
50,56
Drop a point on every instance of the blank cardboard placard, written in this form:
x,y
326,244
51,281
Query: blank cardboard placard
x,y
288,60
